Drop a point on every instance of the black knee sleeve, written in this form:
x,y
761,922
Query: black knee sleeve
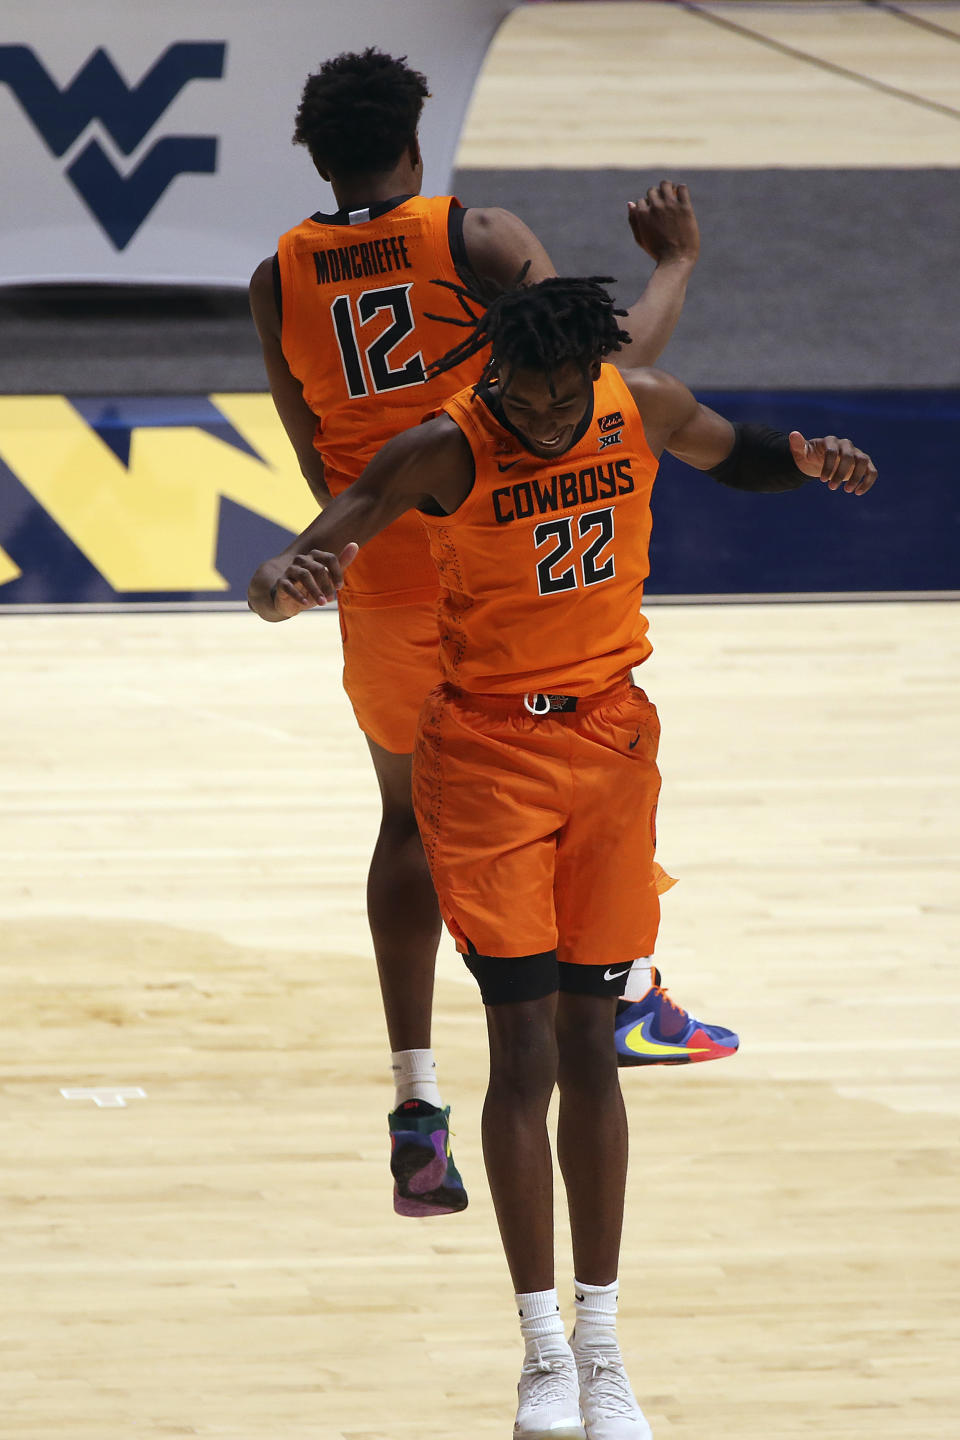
x,y
506,981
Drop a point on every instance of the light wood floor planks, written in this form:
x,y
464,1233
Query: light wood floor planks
x,y
617,85
186,812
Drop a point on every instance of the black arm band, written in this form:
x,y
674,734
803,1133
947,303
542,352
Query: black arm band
x,y
760,460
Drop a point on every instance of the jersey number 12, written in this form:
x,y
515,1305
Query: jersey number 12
x,y
349,329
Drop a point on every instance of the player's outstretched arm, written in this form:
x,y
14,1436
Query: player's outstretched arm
x,y
430,464
664,224
746,457
295,414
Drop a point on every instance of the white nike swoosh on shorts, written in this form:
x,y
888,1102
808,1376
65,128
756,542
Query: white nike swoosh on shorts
x,y
609,974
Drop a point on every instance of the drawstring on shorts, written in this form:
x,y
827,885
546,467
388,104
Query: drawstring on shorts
x,y
540,704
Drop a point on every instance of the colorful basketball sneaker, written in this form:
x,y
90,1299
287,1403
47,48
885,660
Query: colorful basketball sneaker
x,y
658,1031
426,1181
548,1395
609,1406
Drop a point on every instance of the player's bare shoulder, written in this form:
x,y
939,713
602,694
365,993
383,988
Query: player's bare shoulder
x,y
439,436
664,402
481,223
430,461
498,245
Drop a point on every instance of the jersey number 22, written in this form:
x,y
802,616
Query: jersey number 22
x,y
560,569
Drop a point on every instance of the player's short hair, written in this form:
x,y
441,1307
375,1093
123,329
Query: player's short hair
x,y
359,112
563,320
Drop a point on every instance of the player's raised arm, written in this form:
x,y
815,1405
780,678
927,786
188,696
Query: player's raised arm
x,y
746,457
498,245
664,224
430,465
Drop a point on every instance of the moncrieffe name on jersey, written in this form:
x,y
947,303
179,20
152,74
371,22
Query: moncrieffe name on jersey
x,y
369,257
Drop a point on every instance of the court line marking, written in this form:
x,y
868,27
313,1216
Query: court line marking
x,y
734,26
153,607
920,21
754,597
105,1097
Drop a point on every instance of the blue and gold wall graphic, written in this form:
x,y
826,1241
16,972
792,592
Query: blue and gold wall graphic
x,y
176,500
901,538
142,499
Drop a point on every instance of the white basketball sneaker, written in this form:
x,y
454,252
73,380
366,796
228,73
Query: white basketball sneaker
x,y
609,1406
549,1392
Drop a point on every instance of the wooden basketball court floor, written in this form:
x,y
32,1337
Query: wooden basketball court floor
x,y
187,814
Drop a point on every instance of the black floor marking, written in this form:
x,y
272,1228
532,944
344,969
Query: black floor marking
x,y
733,25
918,20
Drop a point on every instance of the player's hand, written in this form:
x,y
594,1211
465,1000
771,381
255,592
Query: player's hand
x,y
310,580
664,223
835,462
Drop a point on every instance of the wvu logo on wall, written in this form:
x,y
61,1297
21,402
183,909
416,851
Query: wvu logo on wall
x,y
142,500
120,202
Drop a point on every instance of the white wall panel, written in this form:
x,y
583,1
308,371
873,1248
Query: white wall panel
x,y
153,143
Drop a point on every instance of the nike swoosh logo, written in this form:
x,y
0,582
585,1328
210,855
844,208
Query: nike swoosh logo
x,y
501,467
637,1041
635,741
610,974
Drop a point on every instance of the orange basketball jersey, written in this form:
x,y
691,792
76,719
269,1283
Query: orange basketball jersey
x,y
355,293
543,564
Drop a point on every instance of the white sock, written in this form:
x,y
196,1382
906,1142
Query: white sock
x,y
596,1312
540,1322
639,980
415,1076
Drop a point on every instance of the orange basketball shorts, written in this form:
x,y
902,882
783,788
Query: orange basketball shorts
x,y
390,664
540,831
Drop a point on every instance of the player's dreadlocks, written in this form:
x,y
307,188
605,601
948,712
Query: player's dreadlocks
x,y
536,327
359,112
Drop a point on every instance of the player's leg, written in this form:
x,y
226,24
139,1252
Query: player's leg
x,y
591,1133
405,925
607,913
519,1165
403,912
489,829
516,1147
592,1149
389,665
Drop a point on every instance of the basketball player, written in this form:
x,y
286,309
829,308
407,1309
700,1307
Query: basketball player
x,y
342,311
535,775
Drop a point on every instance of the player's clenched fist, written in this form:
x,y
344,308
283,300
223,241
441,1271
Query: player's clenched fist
x,y
664,223
835,462
309,580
